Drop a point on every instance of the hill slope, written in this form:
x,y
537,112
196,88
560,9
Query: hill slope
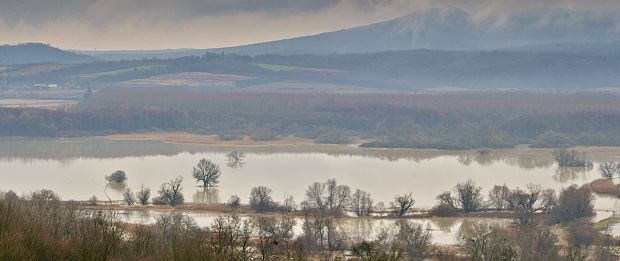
x,y
39,53
453,29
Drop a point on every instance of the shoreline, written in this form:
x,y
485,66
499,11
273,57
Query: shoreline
x,y
199,139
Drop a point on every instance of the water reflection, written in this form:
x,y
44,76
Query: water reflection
x,y
75,168
566,174
67,151
444,231
235,164
207,196
116,187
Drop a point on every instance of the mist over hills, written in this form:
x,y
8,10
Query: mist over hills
x,y
40,53
449,47
438,28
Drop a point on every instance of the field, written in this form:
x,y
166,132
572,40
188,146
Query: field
x,y
34,103
191,79
137,69
189,138
278,68
307,87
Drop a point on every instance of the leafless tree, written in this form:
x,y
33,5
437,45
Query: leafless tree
x,y
129,197
143,195
468,196
570,158
338,196
610,170
260,199
523,204
402,204
498,196
289,204
206,172
573,203
361,203
171,192
234,201
328,196
235,156
415,239
275,237
315,196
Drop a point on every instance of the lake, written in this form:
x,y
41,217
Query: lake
x,y
75,169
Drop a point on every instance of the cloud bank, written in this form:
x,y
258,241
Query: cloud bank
x,y
159,24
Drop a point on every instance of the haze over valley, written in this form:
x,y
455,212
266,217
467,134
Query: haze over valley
x,y
309,130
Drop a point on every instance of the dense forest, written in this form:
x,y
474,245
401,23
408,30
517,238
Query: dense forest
x,y
448,121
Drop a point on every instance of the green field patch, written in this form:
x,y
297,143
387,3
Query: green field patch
x,y
137,69
278,68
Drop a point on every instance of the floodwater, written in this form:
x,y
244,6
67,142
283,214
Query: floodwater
x,y
75,169
444,231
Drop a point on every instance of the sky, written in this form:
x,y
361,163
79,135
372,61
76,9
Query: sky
x,y
170,24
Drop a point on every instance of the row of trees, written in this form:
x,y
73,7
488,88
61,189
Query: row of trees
x,y
388,121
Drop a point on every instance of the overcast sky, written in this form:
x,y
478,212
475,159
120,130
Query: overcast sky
x,y
163,24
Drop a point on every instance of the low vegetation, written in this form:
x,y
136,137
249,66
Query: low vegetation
x,y
118,177
445,121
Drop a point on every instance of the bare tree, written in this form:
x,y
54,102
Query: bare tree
x,y
235,156
143,195
260,199
234,201
275,236
206,172
548,200
361,203
610,170
289,203
328,196
498,196
574,203
523,204
468,196
315,196
171,192
414,239
128,197
338,196
570,158
402,204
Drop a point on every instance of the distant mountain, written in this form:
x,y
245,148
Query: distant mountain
x,y
143,54
604,48
39,53
454,29
438,28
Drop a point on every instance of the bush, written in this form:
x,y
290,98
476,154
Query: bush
x,y
118,176
574,203
443,210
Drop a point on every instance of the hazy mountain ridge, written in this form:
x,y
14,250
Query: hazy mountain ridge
x,y
40,53
439,28
454,29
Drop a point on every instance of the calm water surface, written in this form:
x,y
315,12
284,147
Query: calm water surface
x,y
76,168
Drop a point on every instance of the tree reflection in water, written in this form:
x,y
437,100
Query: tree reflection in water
x,y
207,196
565,174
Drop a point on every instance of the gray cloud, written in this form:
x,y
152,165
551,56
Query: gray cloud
x,y
98,12
211,23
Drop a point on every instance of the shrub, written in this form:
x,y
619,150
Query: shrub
x,y
118,176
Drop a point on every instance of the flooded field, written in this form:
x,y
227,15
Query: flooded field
x,y
75,168
444,231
